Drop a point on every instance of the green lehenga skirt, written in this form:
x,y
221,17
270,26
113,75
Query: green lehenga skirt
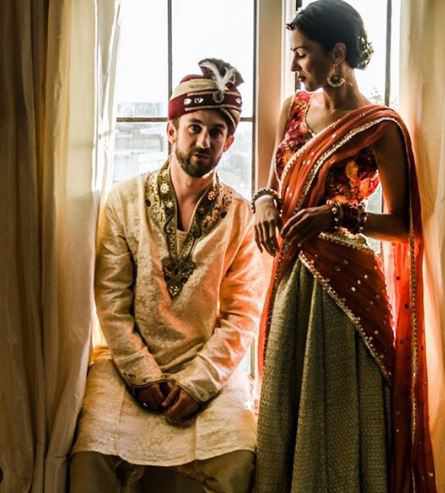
x,y
324,404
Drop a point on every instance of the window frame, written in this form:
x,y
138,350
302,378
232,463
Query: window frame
x,y
249,119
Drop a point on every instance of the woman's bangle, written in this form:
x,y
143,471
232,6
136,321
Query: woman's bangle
x,y
265,191
336,213
354,218
348,216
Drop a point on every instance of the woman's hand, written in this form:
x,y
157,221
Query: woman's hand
x,y
267,222
307,223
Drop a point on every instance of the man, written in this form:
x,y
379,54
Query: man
x,y
178,292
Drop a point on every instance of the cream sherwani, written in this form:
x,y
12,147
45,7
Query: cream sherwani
x,y
190,319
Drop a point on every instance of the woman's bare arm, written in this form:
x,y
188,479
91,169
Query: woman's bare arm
x,y
267,217
272,181
393,224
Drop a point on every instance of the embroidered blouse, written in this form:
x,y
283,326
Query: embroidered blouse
x,y
351,181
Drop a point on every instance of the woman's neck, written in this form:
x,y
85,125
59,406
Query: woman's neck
x,y
345,98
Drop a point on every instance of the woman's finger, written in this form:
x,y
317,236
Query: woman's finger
x,y
297,231
290,222
257,238
263,235
272,243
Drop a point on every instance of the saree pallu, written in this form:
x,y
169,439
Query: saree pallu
x,y
382,302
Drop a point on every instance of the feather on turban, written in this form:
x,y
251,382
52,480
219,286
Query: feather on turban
x,y
215,89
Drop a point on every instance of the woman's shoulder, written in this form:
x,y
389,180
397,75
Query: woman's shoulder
x,y
295,104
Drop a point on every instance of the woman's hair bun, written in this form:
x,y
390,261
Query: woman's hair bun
x,y
335,21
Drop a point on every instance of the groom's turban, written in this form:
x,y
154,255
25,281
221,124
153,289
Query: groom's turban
x,y
215,89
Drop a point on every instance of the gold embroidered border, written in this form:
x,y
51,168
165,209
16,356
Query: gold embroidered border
x,y
341,303
334,149
356,242
161,201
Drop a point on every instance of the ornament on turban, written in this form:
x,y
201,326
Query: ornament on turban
x,y
215,89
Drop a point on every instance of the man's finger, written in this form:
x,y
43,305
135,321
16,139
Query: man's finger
x,y
156,394
185,406
176,410
172,397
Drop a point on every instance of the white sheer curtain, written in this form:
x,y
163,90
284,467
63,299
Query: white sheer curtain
x,y
56,84
78,186
422,105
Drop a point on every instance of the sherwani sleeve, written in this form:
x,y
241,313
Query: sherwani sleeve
x,y
114,281
240,307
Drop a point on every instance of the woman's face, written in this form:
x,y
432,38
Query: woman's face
x,y
310,61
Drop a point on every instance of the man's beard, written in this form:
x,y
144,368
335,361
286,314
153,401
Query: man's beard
x,y
196,169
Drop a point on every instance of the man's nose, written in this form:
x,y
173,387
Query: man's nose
x,y
204,139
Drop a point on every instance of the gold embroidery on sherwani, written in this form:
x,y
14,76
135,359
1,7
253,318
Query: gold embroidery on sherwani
x,y
178,266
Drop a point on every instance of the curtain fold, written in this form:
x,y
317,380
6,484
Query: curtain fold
x,y
57,67
23,37
69,210
422,94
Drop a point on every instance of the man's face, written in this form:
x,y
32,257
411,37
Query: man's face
x,y
199,141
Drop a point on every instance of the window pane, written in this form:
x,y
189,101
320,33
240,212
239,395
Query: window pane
x,y
142,71
372,79
235,167
139,147
214,29
395,54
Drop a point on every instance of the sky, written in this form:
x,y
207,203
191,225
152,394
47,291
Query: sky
x,y
217,28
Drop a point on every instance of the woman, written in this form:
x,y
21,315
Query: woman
x,y
344,395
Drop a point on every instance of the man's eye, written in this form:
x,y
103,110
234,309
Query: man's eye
x,y
215,132
195,129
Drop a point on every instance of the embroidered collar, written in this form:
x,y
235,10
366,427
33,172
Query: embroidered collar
x,y
160,199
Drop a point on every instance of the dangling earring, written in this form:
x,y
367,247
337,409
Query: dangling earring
x,y
335,80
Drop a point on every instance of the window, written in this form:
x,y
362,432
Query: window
x,y
161,41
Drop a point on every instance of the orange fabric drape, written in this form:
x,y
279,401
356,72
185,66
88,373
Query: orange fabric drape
x,y
303,185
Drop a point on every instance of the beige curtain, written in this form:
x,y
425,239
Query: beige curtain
x,y
422,105
52,79
68,212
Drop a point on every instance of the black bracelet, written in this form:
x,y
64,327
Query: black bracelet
x,y
265,191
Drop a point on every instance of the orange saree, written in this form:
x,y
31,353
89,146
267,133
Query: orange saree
x,y
381,296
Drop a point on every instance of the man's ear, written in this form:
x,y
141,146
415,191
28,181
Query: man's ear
x,y
229,141
171,132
